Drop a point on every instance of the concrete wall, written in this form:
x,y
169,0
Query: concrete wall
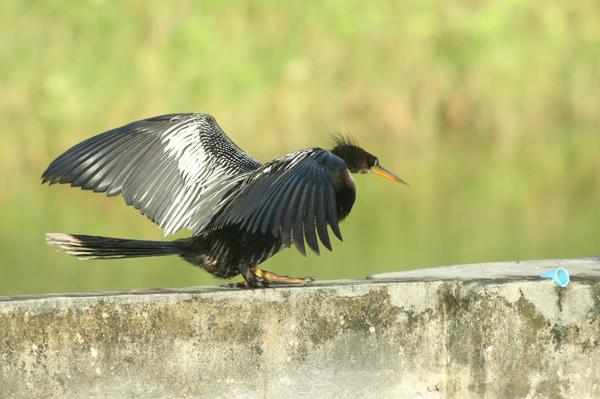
x,y
471,332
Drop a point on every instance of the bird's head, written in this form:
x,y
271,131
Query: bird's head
x,y
360,161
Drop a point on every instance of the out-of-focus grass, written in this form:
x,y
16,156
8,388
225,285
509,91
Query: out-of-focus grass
x,y
490,110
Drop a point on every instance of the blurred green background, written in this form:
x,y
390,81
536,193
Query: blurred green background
x,y
490,110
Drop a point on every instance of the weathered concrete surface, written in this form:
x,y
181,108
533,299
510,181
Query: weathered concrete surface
x,y
485,335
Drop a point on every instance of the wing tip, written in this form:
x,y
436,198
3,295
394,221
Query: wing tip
x,y
48,177
301,249
335,228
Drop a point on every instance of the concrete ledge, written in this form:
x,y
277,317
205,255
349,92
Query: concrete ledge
x,y
465,331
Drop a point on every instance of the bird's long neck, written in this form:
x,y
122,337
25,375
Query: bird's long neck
x,y
345,193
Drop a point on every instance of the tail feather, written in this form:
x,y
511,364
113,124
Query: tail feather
x,y
96,247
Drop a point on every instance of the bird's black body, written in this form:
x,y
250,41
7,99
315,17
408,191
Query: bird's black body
x,y
182,171
226,251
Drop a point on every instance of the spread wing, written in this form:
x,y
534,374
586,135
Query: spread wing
x,y
175,169
289,197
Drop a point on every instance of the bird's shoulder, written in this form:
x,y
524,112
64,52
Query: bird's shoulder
x,y
202,126
196,135
170,124
315,156
206,119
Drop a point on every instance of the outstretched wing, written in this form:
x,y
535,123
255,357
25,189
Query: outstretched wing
x,y
170,167
289,197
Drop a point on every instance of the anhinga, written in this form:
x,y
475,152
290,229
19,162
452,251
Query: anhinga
x,y
182,171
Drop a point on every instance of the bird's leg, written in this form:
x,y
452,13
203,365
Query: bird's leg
x,y
250,279
255,277
269,279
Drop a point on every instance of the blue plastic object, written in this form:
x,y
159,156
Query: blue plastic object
x,y
559,276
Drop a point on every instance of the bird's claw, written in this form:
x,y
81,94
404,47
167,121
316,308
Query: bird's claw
x,y
240,284
299,282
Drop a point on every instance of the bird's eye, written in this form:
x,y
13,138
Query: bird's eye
x,y
376,163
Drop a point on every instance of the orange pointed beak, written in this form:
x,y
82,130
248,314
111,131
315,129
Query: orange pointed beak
x,y
387,174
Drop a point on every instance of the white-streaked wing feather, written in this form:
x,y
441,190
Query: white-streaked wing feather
x,y
175,169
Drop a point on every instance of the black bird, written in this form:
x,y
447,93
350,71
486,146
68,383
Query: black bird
x,y
182,171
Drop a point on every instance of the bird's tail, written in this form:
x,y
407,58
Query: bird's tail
x,y
96,247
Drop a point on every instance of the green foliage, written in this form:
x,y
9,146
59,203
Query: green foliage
x,y
489,109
